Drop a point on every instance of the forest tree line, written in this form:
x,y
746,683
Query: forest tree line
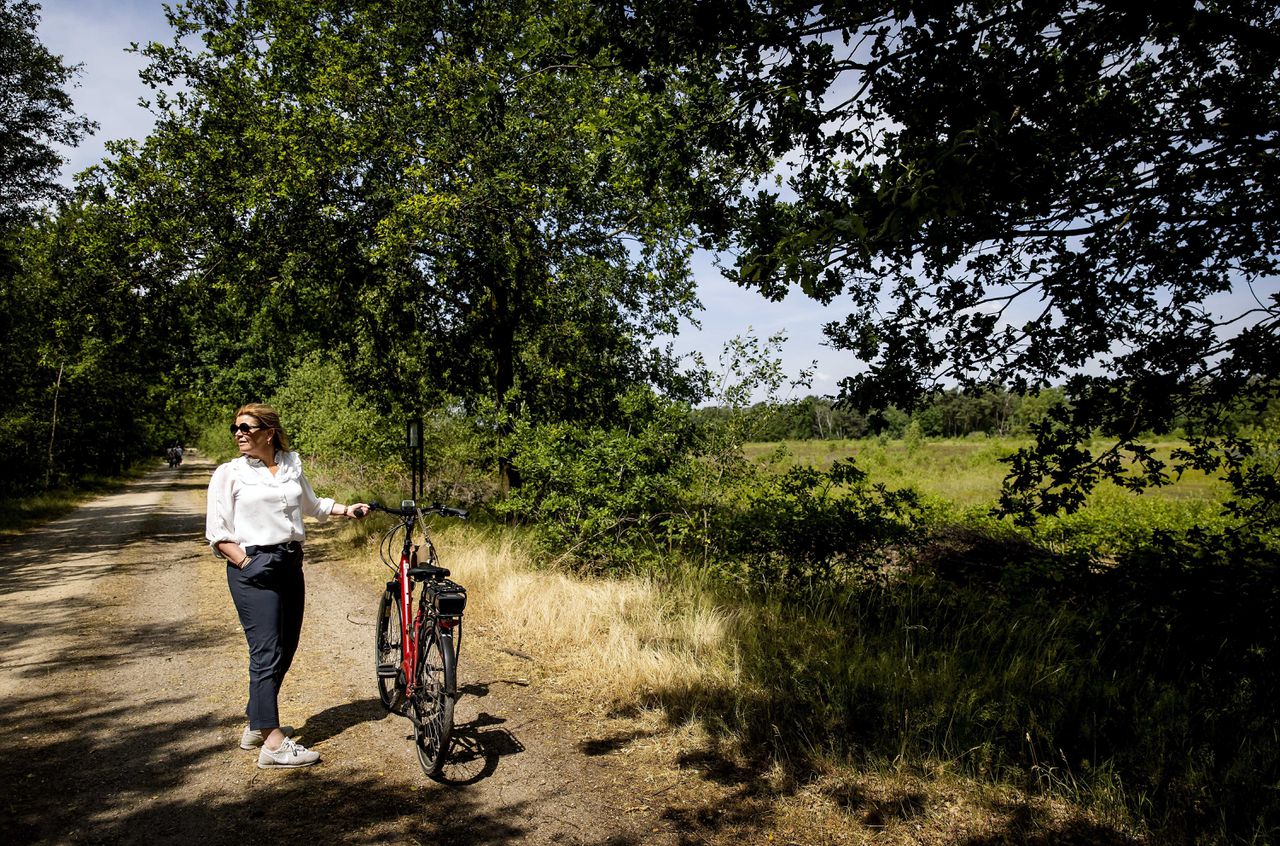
x,y
947,414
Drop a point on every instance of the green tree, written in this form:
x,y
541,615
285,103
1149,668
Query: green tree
x,y
460,199
1074,193
36,114
92,324
27,387
1035,407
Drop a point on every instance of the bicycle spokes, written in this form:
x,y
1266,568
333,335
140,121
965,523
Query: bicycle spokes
x,y
433,703
388,651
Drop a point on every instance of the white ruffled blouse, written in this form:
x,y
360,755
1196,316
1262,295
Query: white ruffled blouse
x,y
250,506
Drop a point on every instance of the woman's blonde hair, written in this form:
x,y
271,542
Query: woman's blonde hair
x,y
269,417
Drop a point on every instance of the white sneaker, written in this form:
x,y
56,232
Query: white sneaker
x,y
252,738
289,754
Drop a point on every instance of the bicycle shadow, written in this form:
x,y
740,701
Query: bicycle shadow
x,y
476,749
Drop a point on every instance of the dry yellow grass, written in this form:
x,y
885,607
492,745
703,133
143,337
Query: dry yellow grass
x,y
604,643
612,639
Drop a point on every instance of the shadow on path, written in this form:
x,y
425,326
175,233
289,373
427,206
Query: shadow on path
x,y
101,786
81,762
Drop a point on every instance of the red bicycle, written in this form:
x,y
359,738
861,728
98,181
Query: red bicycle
x,y
417,675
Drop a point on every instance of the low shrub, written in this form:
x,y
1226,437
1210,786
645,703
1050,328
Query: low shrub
x,y
659,492
605,498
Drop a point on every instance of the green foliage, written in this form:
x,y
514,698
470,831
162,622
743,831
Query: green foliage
x,y
36,113
326,417
1020,195
87,382
956,414
808,525
1251,464
666,490
946,414
606,497
463,200
667,484
41,366
809,418
1115,522
960,480
891,422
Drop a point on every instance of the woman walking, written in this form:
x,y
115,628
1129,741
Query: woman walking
x,y
254,521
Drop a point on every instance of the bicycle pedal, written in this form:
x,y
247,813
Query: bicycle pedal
x,y
387,671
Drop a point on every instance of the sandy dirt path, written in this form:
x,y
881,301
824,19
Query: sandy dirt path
x,y
122,687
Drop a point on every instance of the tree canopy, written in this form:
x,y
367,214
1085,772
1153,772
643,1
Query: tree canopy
x,y
60,333
36,114
461,199
1072,193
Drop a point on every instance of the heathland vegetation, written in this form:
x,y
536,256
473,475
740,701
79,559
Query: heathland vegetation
x,y
1032,539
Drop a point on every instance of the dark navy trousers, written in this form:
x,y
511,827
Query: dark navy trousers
x,y
269,594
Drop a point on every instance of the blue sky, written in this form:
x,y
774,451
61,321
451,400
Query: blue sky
x,y
97,33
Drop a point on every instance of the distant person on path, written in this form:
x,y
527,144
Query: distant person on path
x,y
254,521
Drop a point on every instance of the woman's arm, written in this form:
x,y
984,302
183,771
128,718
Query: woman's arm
x,y
218,527
233,552
317,507
355,510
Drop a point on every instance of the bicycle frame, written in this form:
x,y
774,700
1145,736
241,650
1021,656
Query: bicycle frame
x,y
408,623
411,619
415,622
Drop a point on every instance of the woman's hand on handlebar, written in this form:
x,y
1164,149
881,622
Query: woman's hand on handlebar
x,y
357,510
409,508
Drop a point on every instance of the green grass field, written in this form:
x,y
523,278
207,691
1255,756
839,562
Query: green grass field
x,y
966,472
961,479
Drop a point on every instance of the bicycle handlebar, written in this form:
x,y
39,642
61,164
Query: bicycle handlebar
x,y
409,508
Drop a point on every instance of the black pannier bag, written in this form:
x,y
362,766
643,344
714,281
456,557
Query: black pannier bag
x,y
448,598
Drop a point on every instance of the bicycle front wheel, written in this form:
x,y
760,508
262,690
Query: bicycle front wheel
x,y
390,636
433,704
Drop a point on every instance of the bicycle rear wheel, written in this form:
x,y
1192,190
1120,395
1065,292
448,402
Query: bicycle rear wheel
x,y
390,635
433,704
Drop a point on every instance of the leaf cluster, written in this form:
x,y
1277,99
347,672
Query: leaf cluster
x,y
1069,193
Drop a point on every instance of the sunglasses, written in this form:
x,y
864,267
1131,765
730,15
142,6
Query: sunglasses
x,y
245,428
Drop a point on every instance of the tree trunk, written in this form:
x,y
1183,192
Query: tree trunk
x,y
53,429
